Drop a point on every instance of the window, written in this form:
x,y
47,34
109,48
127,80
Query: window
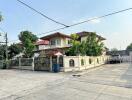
x,y
82,62
69,41
97,60
58,42
71,63
52,42
90,61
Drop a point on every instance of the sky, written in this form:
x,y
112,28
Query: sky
x,y
117,29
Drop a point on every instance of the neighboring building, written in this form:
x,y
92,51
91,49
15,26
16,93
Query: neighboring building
x,y
119,52
57,42
83,36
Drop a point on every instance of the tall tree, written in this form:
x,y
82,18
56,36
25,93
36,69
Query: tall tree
x,y
74,50
94,46
2,52
129,47
14,49
82,48
91,47
28,39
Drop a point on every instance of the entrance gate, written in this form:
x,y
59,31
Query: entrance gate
x,y
42,64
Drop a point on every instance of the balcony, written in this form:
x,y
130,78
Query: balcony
x,y
43,47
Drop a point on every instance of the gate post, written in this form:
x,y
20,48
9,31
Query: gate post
x,y
51,63
19,63
33,64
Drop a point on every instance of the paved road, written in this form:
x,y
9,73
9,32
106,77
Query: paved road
x,y
109,82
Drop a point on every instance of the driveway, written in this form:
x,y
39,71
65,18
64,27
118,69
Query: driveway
x,y
108,82
15,83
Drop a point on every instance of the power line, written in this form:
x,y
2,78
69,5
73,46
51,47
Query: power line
x,y
41,13
103,16
113,13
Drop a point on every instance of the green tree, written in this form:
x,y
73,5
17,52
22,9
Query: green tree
x,y
14,49
82,48
28,39
114,51
129,47
94,46
74,50
91,47
2,52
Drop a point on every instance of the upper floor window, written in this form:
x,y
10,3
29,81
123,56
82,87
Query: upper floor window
x,y
53,42
58,42
69,41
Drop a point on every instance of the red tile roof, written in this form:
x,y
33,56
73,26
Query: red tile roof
x,y
57,34
42,42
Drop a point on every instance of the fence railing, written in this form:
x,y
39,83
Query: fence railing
x,y
21,63
42,63
14,62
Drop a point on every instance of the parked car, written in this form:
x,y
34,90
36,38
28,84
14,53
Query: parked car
x,y
115,59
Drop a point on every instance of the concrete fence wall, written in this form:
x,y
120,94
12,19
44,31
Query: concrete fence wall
x,y
70,63
76,63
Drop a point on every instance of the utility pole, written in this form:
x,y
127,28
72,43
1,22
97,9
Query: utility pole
x,y
6,49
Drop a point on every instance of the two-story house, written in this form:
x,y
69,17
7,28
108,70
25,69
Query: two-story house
x,y
58,42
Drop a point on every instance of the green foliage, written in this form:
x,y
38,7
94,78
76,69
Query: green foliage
x,y
91,47
28,39
14,49
74,50
82,48
2,52
114,51
94,46
129,47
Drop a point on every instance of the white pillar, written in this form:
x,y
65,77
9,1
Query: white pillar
x,y
51,63
33,64
19,63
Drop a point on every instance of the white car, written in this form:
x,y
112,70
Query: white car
x,y
115,59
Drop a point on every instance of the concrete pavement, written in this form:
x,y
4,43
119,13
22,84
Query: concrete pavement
x,y
109,82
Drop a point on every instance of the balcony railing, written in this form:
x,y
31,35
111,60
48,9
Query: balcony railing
x,y
42,47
